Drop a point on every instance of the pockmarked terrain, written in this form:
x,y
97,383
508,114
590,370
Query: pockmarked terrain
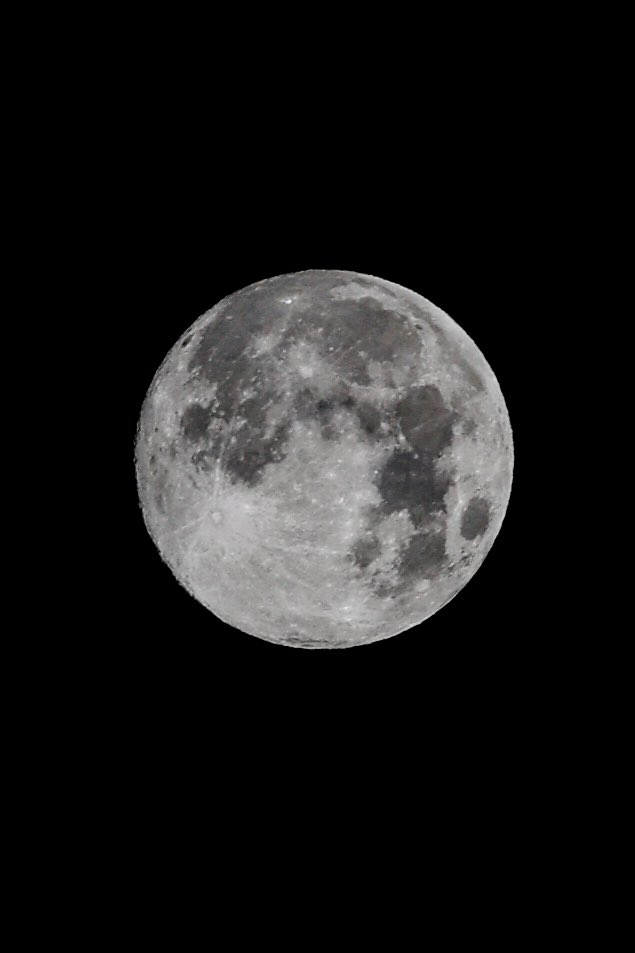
x,y
324,459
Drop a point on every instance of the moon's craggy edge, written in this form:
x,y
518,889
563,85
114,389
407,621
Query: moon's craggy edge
x,y
331,351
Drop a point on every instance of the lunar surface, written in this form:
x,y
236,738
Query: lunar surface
x,y
324,459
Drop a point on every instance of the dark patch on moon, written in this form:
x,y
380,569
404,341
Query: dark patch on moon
x,y
160,486
453,356
424,556
352,332
348,333
203,460
475,519
195,421
309,405
366,550
228,334
411,481
251,451
305,403
245,314
385,590
324,409
244,449
425,420
469,373
224,356
369,419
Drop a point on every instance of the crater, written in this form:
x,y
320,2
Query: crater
x,y
475,519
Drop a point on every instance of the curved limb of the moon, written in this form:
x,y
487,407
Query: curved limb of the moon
x,y
324,459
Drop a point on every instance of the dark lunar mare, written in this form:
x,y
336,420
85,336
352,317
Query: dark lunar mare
x,y
369,418
475,519
350,333
366,550
425,420
347,334
412,479
195,421
423,558
310,405
224,356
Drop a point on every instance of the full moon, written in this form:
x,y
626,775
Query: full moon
x,y
324,459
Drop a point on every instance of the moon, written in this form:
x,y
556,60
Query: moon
x,y
324,459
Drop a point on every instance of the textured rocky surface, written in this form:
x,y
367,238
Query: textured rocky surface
x,y
324,459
